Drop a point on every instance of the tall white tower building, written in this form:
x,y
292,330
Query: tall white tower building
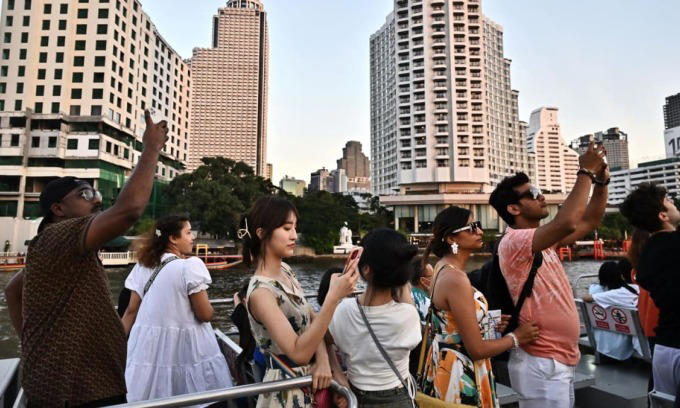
x,y
556,163
456,117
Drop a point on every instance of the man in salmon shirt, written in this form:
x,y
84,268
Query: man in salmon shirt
x,y
543,372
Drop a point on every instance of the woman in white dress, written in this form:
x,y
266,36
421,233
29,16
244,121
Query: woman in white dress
x,y
172,348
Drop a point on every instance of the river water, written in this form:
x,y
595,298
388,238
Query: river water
x,y
226,283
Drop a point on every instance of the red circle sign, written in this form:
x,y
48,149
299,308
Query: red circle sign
x,y
599,312
619,315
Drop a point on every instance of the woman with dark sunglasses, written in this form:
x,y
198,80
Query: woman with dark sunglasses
x,y
458,365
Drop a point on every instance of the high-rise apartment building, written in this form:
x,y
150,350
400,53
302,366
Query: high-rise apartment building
x,y
456,113
556,163
321,180
293,186
383,109
614,141
671,116
507,144
357,168
75,78
671,111
229,89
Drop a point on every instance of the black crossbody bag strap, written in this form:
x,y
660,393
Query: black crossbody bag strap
x,y
526,290
156,271
380,348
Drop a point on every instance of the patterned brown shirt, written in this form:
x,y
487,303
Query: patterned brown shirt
x,y
73,343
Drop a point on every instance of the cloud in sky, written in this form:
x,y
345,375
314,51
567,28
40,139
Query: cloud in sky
x,y
604,63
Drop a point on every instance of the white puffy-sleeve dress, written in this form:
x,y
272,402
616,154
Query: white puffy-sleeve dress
x,y
169,351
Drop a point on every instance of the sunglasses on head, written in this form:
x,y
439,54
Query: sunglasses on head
x,y
473,227
532,193
89,194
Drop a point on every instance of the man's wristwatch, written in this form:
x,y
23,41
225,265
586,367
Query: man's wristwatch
x,y
587,173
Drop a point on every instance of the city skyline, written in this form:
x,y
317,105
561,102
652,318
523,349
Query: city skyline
x,y
319,94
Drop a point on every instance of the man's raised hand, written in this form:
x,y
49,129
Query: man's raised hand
x,y
156,134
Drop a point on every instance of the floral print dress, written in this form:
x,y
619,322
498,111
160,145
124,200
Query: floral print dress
x,y
291,301
450,374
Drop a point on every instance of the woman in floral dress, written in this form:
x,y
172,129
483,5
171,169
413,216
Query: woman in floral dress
x,y
458,365
283,323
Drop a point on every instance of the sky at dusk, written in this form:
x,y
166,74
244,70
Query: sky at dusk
x,y
603,63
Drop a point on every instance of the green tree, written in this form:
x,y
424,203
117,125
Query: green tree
x,y
217,193
613,226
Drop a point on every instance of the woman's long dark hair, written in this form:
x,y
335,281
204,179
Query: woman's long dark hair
x,y
268,213
447,220
611,276
388,255
157,239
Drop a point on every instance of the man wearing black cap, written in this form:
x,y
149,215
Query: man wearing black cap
x,y
73,344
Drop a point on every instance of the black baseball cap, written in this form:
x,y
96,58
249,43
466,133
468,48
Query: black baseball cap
x,y
56,190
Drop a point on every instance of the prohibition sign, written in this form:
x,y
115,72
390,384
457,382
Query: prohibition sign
x,y
599,312
619,316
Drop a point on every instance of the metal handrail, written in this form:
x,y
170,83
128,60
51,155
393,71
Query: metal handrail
x,y
241,391
584,276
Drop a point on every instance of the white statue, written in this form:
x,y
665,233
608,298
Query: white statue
x,y
345,236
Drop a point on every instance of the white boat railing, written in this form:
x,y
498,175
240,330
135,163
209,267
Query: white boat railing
x,y
240,391
118,258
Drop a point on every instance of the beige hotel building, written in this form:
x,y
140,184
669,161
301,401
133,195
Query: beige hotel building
x,y
229,90
75,78
445,126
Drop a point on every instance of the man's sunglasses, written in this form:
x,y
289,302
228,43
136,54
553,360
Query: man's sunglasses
x,y
473,227
89,194
532,193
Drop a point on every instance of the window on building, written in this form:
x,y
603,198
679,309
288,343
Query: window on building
x,y
27,4
99,61
9,20
8,38
10,4
38,107
47,9
62,25
101,28
56,90
96,110
81,29
24,38
3,87
20,87
108,147
44,41
82,13
46,24
4,70
75,110
97,93
42,57
93,144
63,8
78,61
21,71
76,93
22,54
80,45
61,41
103,13
26,21
52,142
98,77
101,45
77,77
14,142
59,57
40,90
35,141
55,107
72,144
41,73
18,105
5,54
